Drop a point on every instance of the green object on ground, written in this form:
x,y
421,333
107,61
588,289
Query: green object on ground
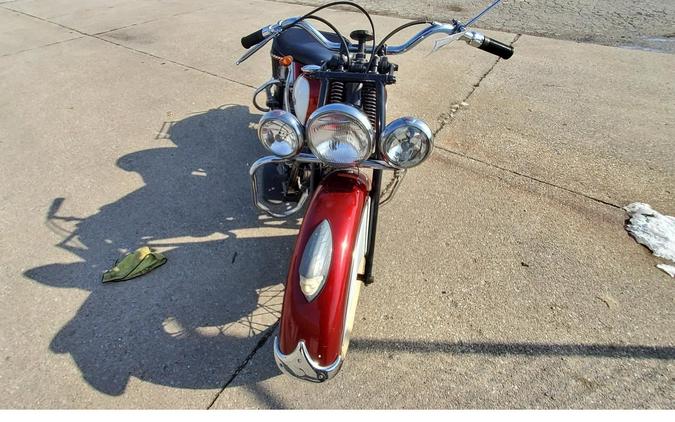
x,y
137,263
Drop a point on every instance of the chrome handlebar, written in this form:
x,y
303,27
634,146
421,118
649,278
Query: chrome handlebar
x,y
452,30
434,28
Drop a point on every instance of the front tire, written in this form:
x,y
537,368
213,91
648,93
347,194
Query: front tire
x,y
358,265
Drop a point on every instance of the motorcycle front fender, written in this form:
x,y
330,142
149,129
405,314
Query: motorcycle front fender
x,y
314,332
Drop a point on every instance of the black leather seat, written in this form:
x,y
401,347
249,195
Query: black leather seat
x,y
302,46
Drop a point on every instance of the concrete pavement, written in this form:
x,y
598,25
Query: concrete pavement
x,y
497,293
505,277
579,116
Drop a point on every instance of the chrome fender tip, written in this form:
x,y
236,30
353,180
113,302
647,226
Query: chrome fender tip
x,y
299,365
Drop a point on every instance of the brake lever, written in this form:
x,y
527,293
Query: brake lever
x,y
438,44
442,42
251,51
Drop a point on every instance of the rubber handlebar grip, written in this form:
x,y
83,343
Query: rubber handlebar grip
x,y
252,39
497,48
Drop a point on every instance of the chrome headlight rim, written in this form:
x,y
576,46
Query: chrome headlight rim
x,y
397,124
354,114
289,120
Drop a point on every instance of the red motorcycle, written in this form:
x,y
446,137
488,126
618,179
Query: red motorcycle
x,y
325,124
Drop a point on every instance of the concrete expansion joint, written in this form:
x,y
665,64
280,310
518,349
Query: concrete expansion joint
x,y
526,176
98,37
42,46
446,117
150,21
268,333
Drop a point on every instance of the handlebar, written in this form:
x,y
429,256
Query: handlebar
x,y
258,38
434,28
497,48
478,40
252,39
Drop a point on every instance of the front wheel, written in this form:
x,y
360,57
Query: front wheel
x,y
358,267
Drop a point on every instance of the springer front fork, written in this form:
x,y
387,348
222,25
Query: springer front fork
x,y
376,184
275,89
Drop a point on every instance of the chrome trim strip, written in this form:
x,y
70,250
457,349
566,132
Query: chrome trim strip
x,y
370,164
310,68
290,80
298,364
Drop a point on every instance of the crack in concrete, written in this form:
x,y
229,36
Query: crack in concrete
x,y
445,118
95,36
107,31
187,66
41,46
526,176
153,20
248,358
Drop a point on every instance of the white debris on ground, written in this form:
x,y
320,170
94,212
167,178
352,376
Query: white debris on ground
x,y
654,230
670,269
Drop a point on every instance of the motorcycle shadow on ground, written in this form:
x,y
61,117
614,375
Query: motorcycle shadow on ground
x,y
193,321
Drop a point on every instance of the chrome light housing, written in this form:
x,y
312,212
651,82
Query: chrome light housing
x,y
281,133
406,142
340,135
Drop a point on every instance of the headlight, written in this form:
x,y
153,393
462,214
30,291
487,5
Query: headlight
x,y
340,135
281,133
406,142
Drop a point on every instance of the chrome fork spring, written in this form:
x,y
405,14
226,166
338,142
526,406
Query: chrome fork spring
x,y
369,102
336,92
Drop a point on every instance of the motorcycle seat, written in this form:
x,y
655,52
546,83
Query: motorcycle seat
x,y
302,46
